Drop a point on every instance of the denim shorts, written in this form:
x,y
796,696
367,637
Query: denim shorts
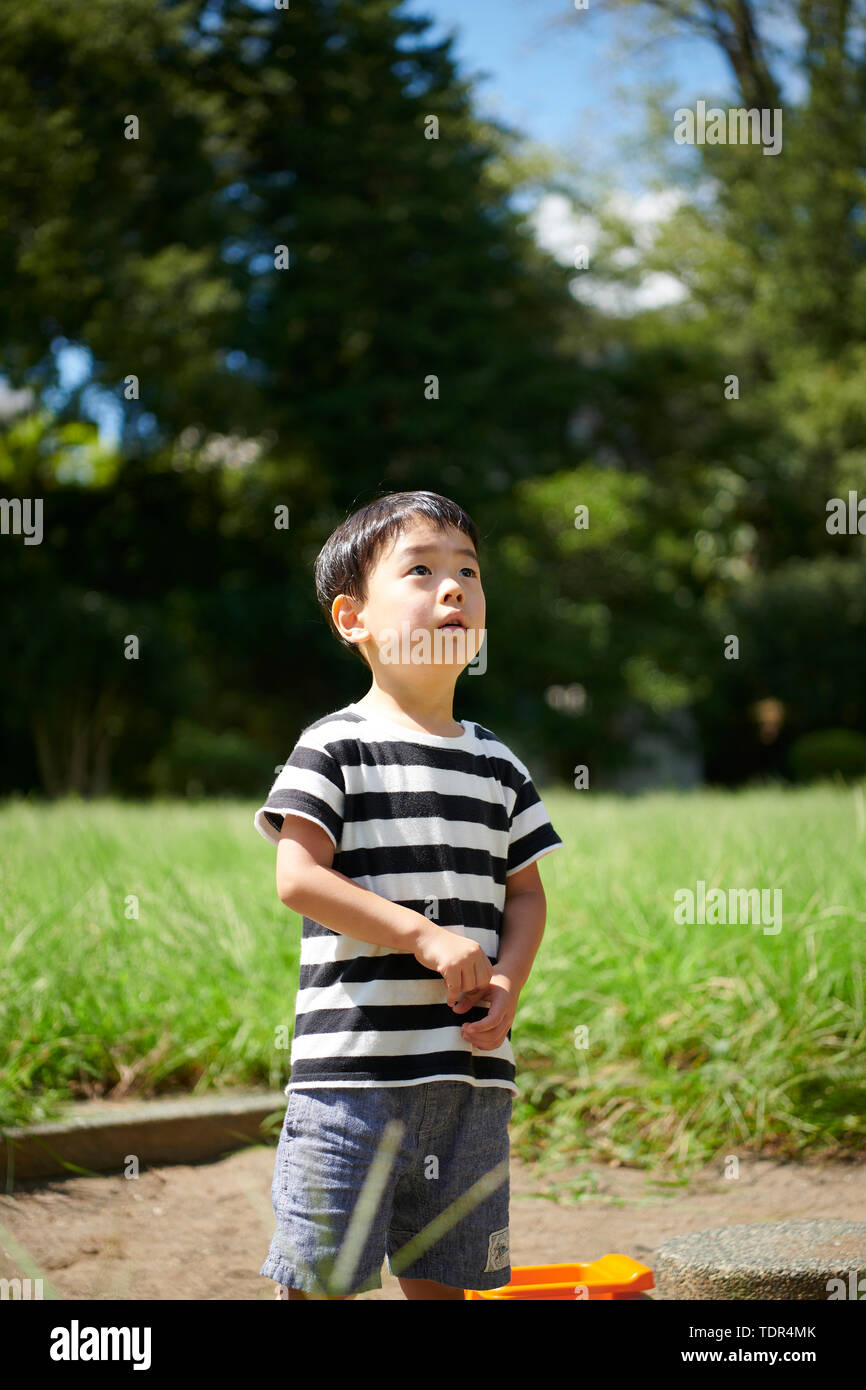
x,y
452,1134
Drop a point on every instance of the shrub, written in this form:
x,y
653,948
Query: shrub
x,y
827,751
199,762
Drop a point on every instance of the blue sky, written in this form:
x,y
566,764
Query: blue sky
x,y
571,79
560,75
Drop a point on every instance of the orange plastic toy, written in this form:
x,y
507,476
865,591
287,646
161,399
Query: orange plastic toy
x,y
611,1277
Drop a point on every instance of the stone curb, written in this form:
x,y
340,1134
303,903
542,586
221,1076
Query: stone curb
x,y
807,1259
98,1136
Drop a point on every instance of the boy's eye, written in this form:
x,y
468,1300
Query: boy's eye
x,y
426,567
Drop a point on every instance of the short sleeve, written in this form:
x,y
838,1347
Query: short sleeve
x,y
310,785
530,833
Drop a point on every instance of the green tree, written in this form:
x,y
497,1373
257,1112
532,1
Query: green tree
x,y
774,262
260,387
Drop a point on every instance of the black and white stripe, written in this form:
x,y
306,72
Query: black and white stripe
x,y
432,823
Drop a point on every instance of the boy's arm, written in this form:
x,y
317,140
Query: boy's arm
x,y
307,884
522,927
519,939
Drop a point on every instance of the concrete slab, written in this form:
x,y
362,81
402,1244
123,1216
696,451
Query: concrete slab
x,y
99,1137
766,1260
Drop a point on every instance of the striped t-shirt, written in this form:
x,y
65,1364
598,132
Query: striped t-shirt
x,y
435,824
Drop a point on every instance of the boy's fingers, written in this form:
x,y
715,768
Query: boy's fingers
x,y
486,1044
454,992
484,1025
488,1024
469,999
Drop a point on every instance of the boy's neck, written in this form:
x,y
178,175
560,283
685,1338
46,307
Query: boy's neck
x,y
435,719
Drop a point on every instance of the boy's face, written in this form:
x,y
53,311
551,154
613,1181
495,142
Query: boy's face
x,y
426,575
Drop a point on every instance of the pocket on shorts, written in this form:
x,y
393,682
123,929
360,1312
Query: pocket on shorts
x,y
291,1112
296,1107
285,1146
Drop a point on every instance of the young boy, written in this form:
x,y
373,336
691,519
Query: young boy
x,y
408,843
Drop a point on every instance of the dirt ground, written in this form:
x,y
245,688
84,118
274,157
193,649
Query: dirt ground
x,y
202,1232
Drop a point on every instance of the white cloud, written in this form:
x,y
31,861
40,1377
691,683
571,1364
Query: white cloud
x,y
560,231
653,292
11,402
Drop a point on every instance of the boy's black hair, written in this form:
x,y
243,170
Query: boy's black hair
x,y
346,558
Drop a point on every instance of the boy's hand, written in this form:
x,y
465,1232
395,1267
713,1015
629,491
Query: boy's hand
x,y
490,1032
460,961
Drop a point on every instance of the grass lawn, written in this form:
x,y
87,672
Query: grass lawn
x,y
144,951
